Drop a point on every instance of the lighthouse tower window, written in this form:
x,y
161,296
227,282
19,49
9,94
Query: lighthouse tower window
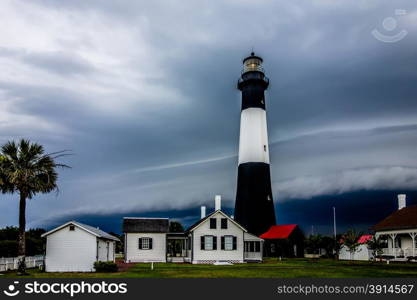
x,y
252,64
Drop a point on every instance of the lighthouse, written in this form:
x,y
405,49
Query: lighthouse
x,y
254,206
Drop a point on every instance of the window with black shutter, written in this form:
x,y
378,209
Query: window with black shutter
x,y
224,223
213,223
222,243
234,243
208,242
145,243
228,242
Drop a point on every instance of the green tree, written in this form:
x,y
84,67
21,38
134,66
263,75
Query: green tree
x,y
313,243
175,226
376,244
25,169
351,241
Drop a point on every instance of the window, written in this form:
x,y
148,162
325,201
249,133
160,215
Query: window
x,y
229,242
252,246
145,243
224,223
208,242
71,227
213,223
257,246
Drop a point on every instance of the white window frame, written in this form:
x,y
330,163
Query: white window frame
x,y
146,241
228,242
206,238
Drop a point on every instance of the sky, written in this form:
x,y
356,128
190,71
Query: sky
x,y
144,95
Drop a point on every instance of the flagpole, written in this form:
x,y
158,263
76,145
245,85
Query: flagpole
x,y
334,222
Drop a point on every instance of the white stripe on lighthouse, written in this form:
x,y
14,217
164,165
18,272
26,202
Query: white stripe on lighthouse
x,y
253,141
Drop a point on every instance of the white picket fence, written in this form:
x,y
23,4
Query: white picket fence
x,y
11,263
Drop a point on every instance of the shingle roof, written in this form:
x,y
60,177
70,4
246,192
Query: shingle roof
x,y
93,230
208,216
148,225
98,232
404,218
199,222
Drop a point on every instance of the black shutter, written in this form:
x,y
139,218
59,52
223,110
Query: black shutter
x,y
140,243
214,242
213,223
222,242
202,243
224,223
150,243
234,243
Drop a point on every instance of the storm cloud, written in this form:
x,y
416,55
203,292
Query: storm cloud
x,y
143,93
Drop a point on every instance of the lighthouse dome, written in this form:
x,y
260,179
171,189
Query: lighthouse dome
x,y
252,63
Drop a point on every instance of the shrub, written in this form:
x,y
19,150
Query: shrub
x,y
105,266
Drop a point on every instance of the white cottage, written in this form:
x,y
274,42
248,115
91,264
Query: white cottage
x,y
214,238
74,247
145,239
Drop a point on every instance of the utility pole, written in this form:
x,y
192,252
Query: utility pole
x,y
334,222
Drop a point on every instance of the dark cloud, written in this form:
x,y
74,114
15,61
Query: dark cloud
x,y
144,95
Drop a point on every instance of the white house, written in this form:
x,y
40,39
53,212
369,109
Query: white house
x,y
399,230
145,239
214,238
74,247
361,253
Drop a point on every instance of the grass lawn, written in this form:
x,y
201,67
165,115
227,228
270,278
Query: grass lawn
x,y
271,268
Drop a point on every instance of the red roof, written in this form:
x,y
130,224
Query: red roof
x,y
279,232
364,238
404,218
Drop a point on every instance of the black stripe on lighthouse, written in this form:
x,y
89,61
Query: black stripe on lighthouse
x,y
254,207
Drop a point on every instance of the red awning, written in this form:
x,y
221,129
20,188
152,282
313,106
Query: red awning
x,y
279,232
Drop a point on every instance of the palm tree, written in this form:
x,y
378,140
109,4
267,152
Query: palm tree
x,y
26,169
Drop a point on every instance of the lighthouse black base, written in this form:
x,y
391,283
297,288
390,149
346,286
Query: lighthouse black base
x,y
254,206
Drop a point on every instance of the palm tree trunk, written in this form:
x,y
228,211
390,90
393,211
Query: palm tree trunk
x,y
22,225
21,251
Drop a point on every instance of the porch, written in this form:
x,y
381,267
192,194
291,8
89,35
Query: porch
x,y
401,244
178,248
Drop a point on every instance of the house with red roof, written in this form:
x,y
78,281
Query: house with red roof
x,y
361,253
399,230
283,241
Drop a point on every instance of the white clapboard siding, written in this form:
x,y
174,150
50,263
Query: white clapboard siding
x,y
156,254
70,251
210,256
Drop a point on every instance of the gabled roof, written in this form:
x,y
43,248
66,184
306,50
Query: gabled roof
x,y
145,225
279,232
199,222
405,218
90,229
